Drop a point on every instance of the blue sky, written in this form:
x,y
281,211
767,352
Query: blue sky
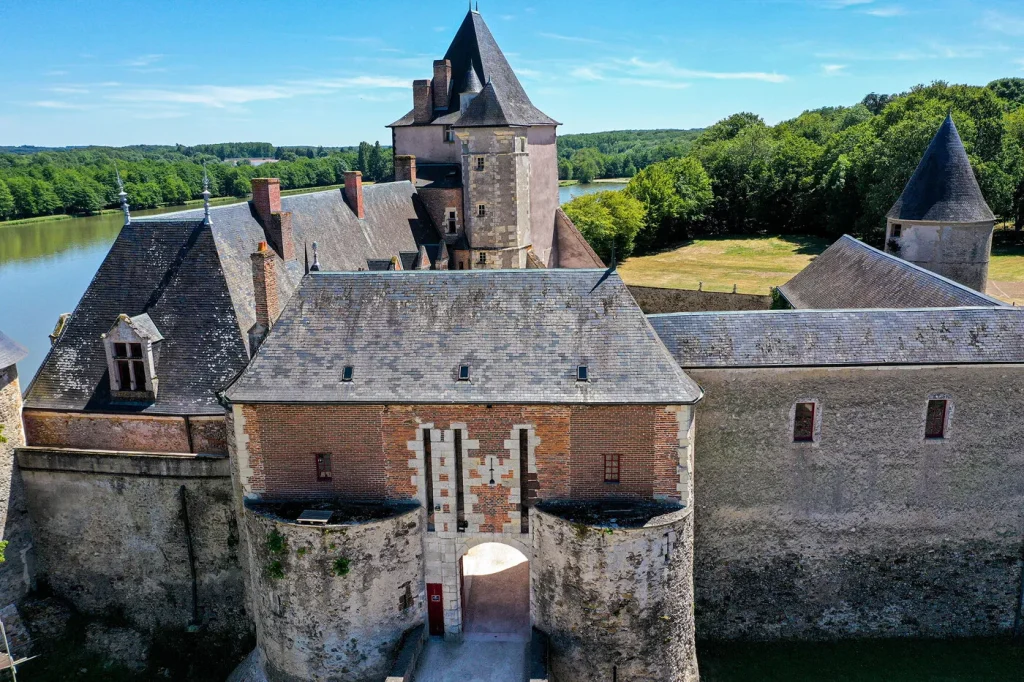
x,y
334,73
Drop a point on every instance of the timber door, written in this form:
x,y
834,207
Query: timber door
x,y
435,609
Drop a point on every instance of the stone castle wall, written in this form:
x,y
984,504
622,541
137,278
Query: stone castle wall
x,y
17,573
958,252
333,602
125,432
543,150
658,300
112,539
871,530
616,603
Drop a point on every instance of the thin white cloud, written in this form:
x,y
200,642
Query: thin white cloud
x,y
56,104
665,68
886,12
833,69
843,4
1003,23
68,90
586,73
143,60
570,39
508,17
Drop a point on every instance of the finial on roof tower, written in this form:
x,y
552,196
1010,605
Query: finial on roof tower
x,y
206,196
124,196
315,267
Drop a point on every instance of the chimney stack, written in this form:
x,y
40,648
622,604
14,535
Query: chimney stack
x,y
264,285
280,233
422,103
442,81
266,197
405,168
354,192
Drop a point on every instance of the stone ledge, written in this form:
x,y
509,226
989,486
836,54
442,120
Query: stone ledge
x,y
408,655
105,462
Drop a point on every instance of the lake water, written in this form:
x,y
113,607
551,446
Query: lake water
x,y
45,268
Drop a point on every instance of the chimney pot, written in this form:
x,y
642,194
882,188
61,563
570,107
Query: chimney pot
x,y
441,83
266,197
354,192
405,168
422,102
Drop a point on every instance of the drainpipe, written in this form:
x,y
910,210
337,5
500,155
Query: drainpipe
x,y
194,625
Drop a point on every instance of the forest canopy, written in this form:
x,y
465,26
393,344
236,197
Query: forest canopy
x,y
828,172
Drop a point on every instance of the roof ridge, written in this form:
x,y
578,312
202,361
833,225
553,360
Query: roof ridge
x,y
817,311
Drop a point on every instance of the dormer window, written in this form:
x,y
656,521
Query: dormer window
x,y
132,349
453,221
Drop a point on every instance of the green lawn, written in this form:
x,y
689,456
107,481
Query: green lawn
x,y
753,264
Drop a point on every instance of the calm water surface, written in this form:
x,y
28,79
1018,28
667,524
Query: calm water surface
x,y
45,268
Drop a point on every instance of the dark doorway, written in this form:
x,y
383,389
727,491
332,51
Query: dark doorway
x,y
435,609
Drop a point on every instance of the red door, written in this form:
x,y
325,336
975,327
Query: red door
x,y
435,609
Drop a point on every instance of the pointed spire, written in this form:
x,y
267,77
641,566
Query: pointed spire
x,y
315,267
206,196
123,195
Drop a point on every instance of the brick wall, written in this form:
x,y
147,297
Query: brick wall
x,y
373,457
134,433
437,201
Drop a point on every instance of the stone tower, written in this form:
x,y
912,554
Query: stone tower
x,y
485,158
941,221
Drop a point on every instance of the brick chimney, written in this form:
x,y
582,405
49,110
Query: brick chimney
x,y
354,192
266,197
422,103
405,168
442,81
264,286
279,231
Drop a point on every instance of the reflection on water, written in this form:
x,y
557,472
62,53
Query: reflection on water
x,y
572,191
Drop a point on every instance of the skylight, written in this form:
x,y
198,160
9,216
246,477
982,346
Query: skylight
x,y
582,373
463,372
346,374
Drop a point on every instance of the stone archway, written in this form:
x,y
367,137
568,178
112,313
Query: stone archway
x,y
495,592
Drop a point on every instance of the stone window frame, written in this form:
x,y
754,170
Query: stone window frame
x,y
480,164
947,423
123,332
324,470
449,134
816,429
451,219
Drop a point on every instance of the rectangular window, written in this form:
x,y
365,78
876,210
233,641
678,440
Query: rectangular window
x,y
897,231
453,222
449,133
464,373
524,480
611,468
323,467
428,475
483,258
479,163
460,493
582,373
131,370
803,423
346,373
481,211
935,423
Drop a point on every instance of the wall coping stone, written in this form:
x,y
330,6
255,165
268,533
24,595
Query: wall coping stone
x,y
107,462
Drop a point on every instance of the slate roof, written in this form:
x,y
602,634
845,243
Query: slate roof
x,y
474,46
851,274
11,352
195,283
522,332
812,338
438,175
943,188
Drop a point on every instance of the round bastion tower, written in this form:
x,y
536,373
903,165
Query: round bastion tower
x,y
941,222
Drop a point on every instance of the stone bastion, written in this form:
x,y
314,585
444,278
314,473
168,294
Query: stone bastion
x,y
613,589
332,602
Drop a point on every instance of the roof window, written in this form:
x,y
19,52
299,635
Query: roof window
x,y
346,373
582,373
463,372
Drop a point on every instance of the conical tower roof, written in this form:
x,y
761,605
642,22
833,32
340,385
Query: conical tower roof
x,y
472,81
943,188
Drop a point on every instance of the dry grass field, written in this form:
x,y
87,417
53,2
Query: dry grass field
x,y
754,264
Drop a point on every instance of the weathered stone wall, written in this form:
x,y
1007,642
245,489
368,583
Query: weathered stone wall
x,y
542,148
17,573
960,252
619,598
870,530
111,537
125,432
427,144
656,300
438,202
318,619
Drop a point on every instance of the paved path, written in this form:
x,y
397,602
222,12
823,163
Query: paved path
x,y
472,661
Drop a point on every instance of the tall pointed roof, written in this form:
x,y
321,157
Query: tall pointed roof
x,y
943,188
474,51
471,83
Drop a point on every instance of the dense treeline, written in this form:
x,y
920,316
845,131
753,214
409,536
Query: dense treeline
x,y
619,153
82,180
827,172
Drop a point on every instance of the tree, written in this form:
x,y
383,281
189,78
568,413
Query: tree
x,y
377,164
676,196
6,201
363,159
607,218
174,189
